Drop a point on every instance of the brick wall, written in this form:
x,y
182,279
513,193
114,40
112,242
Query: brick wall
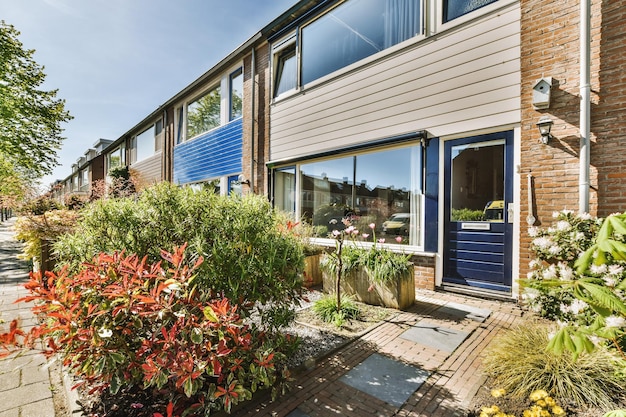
x,y
550,47
259,139
424,271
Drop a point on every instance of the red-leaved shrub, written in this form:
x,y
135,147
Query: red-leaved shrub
x,y
121,322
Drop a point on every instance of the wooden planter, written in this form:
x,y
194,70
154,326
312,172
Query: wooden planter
x,y
398,293
312,271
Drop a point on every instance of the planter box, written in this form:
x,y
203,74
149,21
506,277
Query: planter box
x,y
399,293
312,271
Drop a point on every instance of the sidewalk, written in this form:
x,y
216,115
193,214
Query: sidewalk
x,y
25,384
425,362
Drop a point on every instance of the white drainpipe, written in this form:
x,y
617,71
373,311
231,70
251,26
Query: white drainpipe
x,y
585,105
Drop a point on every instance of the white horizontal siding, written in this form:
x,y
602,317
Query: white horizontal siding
x,y
465,79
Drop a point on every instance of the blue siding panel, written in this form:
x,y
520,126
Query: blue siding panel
x,y
214,154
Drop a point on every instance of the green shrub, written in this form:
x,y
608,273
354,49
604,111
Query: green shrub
x,y
521,363
247,256
39,206
326,309
123,322
578,278
49,226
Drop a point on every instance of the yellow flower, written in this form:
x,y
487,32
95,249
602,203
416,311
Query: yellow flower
x,y
550,401
545,413
496,393
542,403
483,414
490,410
558,411
538,395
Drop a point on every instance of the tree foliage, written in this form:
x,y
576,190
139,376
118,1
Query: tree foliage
x,y
30,117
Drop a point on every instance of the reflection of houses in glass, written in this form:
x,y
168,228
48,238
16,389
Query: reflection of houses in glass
x,y
333,199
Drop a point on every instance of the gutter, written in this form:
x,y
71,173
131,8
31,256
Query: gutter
x,y
585,105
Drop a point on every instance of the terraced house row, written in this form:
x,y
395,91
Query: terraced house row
x,y
452,125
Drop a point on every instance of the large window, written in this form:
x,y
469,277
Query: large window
x,y
216,107
381,187
457,8
84,179
145,144
204,113
116,158
356,30
348,33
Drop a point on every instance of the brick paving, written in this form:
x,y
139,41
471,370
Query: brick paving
x,y
25,385
454,377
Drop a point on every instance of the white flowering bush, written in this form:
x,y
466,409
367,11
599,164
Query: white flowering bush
x,y
578,278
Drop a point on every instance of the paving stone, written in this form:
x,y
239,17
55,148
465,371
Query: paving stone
x,y
26,394
43,408
435,336
463,311
387,379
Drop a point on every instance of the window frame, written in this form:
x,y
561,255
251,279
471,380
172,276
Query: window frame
x,y
223,83
354,154
236,73
281,48
134,142
195,99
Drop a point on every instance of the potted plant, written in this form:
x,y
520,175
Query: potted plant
x,y
372,275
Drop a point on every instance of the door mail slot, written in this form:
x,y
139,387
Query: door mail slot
x,y
476,226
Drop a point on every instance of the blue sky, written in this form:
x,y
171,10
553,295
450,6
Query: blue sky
x,y
116,61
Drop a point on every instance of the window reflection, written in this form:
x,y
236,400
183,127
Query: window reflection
x,y
355,30
457,8
204,113
477,187
382,188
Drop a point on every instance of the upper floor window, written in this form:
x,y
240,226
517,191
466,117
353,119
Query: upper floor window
x,y
346,34
203,114
84,179
116,158
286,67
214,108
356,30
236,94
147,143
457,8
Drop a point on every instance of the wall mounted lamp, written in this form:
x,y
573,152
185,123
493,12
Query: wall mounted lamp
x,y
545,125
243,180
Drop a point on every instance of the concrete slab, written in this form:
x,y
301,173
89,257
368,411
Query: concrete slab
x,y
461,311
386,379
435,336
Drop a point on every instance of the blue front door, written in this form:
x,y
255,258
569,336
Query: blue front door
x,y
478,193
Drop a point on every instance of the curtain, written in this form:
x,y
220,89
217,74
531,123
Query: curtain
x,y
402,20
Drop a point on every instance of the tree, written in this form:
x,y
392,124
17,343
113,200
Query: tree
x,y
30,118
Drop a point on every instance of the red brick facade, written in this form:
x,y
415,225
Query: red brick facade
x,y
550,46
256,126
